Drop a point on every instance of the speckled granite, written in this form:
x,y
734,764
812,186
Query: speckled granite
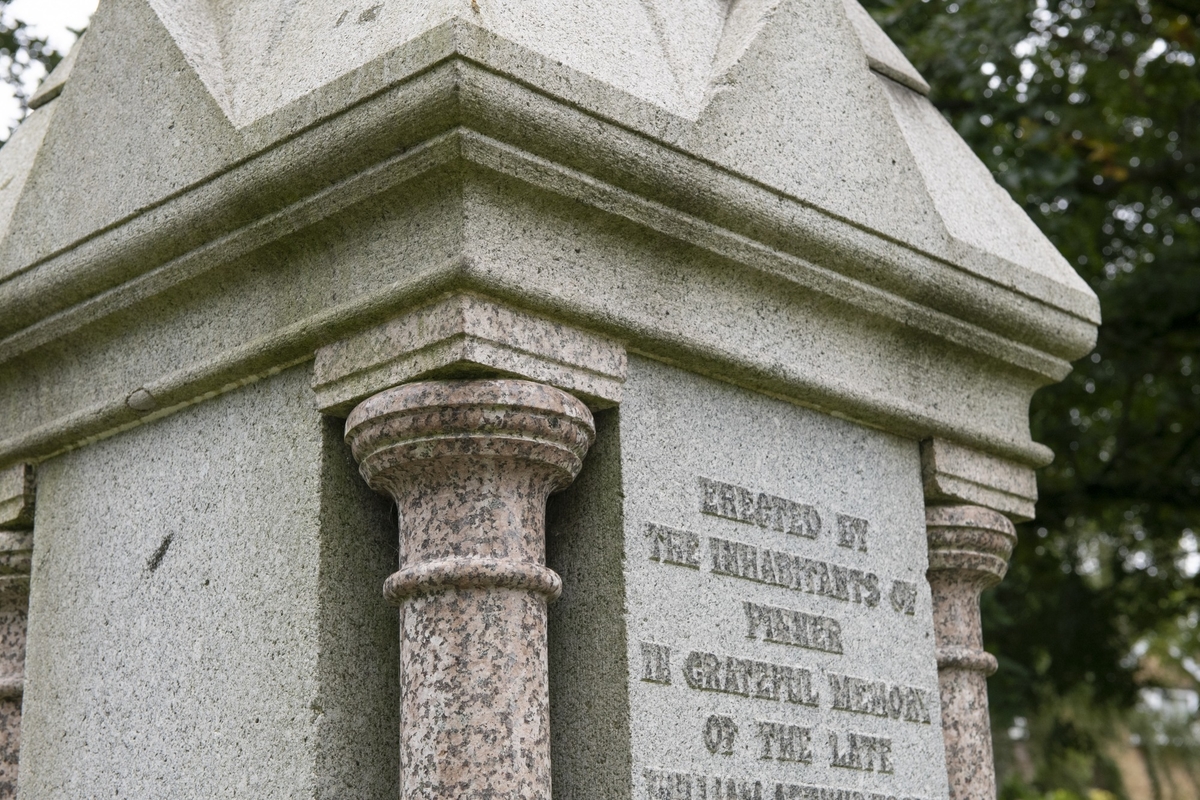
x,y
470,465
16,551
17,497
957,475
467,335
969,547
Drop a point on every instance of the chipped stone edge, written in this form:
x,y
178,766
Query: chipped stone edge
x,y
883,56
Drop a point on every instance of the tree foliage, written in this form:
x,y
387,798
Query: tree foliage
x,y
1088,111
20,52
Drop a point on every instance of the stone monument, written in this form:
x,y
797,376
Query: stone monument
x,y
667,365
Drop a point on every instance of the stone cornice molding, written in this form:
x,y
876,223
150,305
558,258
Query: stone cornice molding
x,y
262,197
457,104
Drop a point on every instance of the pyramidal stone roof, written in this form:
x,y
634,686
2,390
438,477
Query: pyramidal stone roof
x,y
181,133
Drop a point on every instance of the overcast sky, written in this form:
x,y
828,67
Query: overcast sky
x,y
49,18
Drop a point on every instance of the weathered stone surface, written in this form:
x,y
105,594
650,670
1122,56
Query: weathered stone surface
x,y
470,465
472,188
468,335
588,642
204,615
318,190
16,555
16,162
969,547
53,84
772,623
882,54
16,548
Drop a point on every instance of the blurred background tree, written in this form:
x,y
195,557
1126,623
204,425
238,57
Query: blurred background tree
x,y
1087,112
20,52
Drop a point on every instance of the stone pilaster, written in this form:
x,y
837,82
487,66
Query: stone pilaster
x,y
16,551
969,547
470,465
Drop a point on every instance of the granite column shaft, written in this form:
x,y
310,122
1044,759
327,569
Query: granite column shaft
x,y
969,547
470,465
17,500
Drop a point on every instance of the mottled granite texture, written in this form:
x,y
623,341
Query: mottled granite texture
x,y
611,164
969,547
470,465
204,614
12,643
16,551
466,335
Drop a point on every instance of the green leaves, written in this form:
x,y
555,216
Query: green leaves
x,y
1088,112
20,51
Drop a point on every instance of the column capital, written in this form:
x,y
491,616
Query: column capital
x,y
17,501
457,423
972,541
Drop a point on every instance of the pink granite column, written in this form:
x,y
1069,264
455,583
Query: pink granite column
x,y
470,465
16,549
969,548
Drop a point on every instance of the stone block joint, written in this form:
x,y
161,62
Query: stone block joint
x,y
470,464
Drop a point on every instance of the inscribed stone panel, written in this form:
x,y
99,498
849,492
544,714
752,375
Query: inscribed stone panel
x,y
780,639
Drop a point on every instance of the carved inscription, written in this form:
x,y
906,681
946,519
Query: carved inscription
x,y
733,729
852,532
719,734
904,597
861,752
784,626
672,546
656,663
758,508
664,785
791,571
878,699
782,742
688,786
792,791
749,678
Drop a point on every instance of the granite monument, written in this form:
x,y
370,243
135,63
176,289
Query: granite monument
x,y
666,365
